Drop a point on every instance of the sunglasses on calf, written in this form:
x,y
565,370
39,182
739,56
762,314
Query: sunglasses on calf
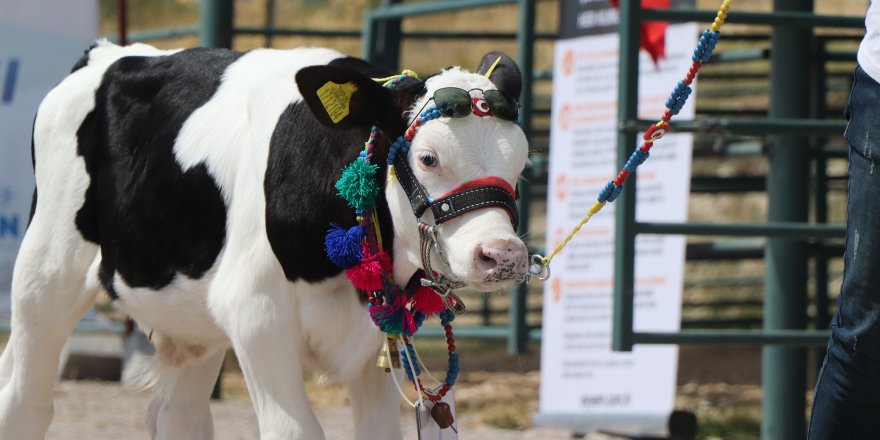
x,y
453,102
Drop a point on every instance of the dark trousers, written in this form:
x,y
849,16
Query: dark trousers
x,y
847,400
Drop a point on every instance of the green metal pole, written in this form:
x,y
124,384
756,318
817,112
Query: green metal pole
x,y
216,17
269,22
624,235
818,110
486,311
525,39
785,302
385,37
368,36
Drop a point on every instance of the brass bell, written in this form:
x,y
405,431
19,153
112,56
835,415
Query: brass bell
x,y
390,347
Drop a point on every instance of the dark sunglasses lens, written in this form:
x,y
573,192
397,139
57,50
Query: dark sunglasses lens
x,y
502,106
453,102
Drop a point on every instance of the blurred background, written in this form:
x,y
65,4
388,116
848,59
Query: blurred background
x,y
729,308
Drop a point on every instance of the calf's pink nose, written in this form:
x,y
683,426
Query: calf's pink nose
x,y
505,258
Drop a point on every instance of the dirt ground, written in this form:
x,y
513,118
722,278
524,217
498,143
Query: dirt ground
x,y
719,385
97,410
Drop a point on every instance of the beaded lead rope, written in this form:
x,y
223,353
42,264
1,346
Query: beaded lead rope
x,y
413,371
674,104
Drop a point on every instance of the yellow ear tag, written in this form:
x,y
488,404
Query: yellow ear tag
x,y
336,98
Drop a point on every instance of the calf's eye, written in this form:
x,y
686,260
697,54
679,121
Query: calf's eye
x,y
428,159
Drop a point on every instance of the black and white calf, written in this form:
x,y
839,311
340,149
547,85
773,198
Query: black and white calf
x,y
195,187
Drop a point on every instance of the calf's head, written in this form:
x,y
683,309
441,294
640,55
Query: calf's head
x,y
455,169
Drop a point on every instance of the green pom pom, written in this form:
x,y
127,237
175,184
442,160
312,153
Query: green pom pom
x,y
358,184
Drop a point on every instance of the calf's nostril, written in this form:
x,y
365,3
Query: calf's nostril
x,y
486,258
500,259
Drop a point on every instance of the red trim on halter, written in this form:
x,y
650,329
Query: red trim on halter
x,y
483,181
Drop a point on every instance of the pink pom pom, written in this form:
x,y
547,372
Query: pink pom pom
x,y
427,301
367,275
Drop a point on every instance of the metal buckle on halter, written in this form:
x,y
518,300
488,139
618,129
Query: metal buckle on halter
x,y
432,233
440,284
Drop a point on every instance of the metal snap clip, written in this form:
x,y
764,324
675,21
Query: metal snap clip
x,y
538,269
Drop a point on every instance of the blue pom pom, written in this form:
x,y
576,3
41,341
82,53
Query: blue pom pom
x,y
344,246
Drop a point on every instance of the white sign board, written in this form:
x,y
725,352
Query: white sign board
x,y
584,385
40,40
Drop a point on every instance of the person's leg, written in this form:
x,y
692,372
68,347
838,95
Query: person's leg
x,y
847,399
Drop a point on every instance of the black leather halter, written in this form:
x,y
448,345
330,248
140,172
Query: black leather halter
x,y
455,203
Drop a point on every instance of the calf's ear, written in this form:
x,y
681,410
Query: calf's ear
x,y
339,97
505,74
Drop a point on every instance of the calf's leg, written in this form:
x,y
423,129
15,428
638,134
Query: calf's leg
x,y
375,405
180,407
50,293
260,321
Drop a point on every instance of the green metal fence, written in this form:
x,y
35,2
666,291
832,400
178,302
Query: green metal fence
x,y
792,128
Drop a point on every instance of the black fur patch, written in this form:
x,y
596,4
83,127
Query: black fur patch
x,y
305,160
360,66
34,167
151,218
84,59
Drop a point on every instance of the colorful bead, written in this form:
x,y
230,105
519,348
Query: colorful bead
x,y
453,369
704,48
656,131
405,362
624,174
610,192
399,146
674,104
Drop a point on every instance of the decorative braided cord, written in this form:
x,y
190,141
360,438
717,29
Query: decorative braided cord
x,y
389,81
612,189
370,217
375,219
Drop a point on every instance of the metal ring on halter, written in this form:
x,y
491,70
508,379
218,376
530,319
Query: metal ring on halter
x,y
538,269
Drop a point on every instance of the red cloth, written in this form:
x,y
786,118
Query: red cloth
x,y
653,33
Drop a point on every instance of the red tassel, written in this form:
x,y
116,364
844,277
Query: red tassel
x,y
408,322
367,275
427,301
